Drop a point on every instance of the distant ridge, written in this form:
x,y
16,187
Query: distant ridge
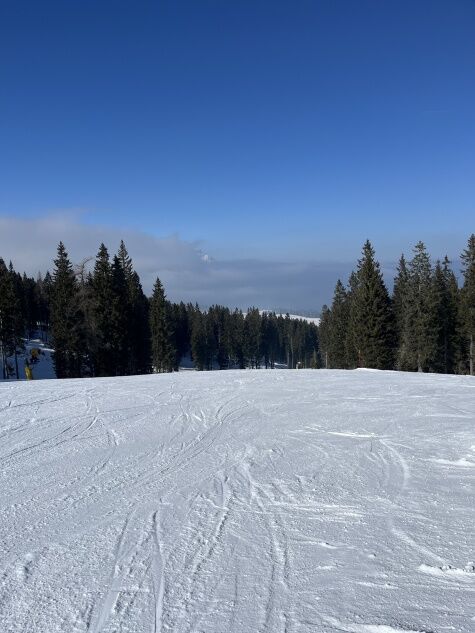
x,y
315,320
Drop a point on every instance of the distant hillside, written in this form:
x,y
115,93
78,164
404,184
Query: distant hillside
x,y
315,320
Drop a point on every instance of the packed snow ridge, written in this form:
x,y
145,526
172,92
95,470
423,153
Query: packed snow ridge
x,y
240,501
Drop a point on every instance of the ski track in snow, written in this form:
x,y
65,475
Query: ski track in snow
x,y
238,501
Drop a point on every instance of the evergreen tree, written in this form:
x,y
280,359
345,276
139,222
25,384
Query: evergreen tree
x,y
43,300
272,337
200,348
27,289
102,290
399,299
252,337
67,319
181,331
120,320
468,301
445,292
269,339
338,328
371,316
238,344
218,318
10,321
324,330
163,354
419,335
137,324
352,353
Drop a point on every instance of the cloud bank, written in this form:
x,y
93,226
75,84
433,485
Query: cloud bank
x,y
188,273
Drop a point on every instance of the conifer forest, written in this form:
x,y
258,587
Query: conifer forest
x,y
100,323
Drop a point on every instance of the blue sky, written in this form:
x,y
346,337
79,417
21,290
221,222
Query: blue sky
x,y
264,131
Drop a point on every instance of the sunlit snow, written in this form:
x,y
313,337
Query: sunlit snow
x,y
238,501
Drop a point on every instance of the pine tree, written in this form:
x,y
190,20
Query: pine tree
x,y
272,337
371,316
163,354
199,342
181,332
324,333
352,353
43,300
252,337
399,299
238,343
67,319
468,301
136,316
102,305
445,292
120,319
338,328
26,292
10,320
269,339
419,336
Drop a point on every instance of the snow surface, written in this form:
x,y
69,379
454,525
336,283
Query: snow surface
x,y
240,501
314,320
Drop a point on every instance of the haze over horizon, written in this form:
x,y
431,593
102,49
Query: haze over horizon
x,y
273,137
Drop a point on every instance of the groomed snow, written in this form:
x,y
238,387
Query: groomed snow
x,y
239,501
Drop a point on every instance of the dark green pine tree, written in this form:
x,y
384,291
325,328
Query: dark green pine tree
x,y
67,319
24,311
43,300
252,337
445,292
102,300
163,353
288,342
371,316
324,329
120,319
137,318
419,335
218,317
352,352
31,307
468,302
181,331
269,339
11,325
238,344
199,342
337,329
399,299
140,323
272,338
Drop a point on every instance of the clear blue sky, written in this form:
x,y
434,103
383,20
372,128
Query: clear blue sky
x,y
268,129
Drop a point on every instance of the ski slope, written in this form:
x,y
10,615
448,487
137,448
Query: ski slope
x,y
238,501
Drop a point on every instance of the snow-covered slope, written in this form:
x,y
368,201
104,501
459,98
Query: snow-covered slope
x,y
314,320
238,501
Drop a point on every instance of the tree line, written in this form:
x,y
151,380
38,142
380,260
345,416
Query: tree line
x,y
100,323
427,324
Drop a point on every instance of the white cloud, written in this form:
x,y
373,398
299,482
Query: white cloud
x,y
187,273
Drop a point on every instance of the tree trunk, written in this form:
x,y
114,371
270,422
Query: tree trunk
x,y
471,354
